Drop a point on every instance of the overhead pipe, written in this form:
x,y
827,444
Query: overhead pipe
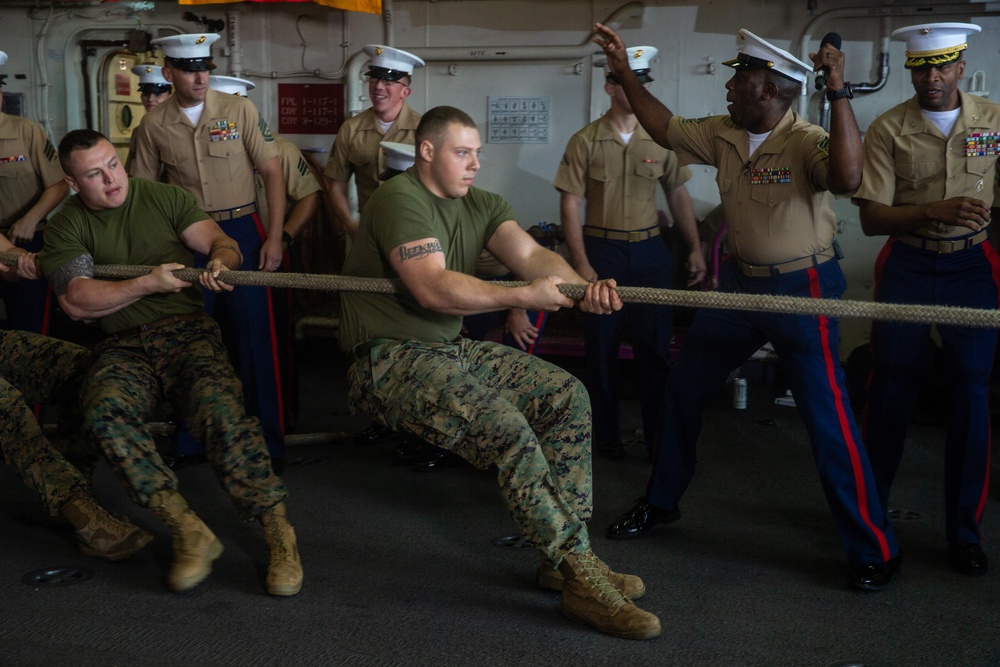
x,y
863,88
930,12
233,42
488,54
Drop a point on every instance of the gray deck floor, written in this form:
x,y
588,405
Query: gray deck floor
x,y
402,568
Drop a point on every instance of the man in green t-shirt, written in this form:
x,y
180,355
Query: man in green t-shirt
x,y
161,346
486,402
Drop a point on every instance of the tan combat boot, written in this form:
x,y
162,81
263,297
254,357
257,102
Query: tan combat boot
x,y
589,597
99,533
284,572
195,546
550,578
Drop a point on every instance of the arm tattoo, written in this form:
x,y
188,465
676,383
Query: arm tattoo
x,y
417,251
81,267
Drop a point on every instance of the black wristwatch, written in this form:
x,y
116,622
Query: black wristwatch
x,y
846,91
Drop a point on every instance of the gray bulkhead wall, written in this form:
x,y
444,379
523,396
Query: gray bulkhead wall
x,y
693,39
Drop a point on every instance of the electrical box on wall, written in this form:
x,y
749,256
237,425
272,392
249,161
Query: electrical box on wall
x,y
13,104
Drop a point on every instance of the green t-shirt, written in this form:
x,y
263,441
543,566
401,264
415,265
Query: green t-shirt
x,y
144,230
403,210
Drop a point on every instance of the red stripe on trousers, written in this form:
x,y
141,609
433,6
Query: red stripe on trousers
x,y
845,427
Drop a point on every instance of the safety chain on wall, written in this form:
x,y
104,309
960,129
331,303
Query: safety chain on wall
x,y
769,303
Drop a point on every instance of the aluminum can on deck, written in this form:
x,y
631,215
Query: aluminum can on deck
x,y
740,393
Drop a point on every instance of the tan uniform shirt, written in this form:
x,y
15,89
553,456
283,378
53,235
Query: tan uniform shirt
x,y
28,165
214,161
618,180
776,203
356,149
909,161
299,179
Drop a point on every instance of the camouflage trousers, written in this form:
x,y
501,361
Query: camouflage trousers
x,y
493,405
186,364
38,369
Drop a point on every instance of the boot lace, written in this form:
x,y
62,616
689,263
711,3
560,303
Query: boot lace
x,y
606,591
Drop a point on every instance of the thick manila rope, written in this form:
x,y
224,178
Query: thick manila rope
x,y
768,303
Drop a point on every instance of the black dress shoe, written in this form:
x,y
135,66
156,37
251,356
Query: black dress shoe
x,y
373,435
278,465
875,576
410,451
968,559
611,449
640,520
439,460
176,462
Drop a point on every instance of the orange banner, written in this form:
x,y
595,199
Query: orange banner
x,y
367,6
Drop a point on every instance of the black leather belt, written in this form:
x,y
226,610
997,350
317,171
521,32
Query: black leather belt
x,y
231,213
149,326
621,235
945,246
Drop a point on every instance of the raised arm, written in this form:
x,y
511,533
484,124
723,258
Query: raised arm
x,y
847,156
651,112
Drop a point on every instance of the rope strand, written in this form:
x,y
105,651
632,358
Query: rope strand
x,y
768,303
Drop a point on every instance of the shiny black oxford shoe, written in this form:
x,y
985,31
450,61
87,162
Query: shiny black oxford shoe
x,y
875,576
178,461
640,520
373,435
439,459
968,559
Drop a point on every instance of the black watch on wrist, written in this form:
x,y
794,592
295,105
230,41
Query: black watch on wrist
x,y
846,91
286,237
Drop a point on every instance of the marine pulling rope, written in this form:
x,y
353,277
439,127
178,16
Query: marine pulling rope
x,y
768,303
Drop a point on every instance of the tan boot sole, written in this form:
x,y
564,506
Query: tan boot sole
x,y
284,589
136,542
189,582
638,633
552,580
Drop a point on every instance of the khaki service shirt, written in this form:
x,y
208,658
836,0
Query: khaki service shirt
x,y
29,164
214,161
299,178
909,161
356,149
777,205
618,180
